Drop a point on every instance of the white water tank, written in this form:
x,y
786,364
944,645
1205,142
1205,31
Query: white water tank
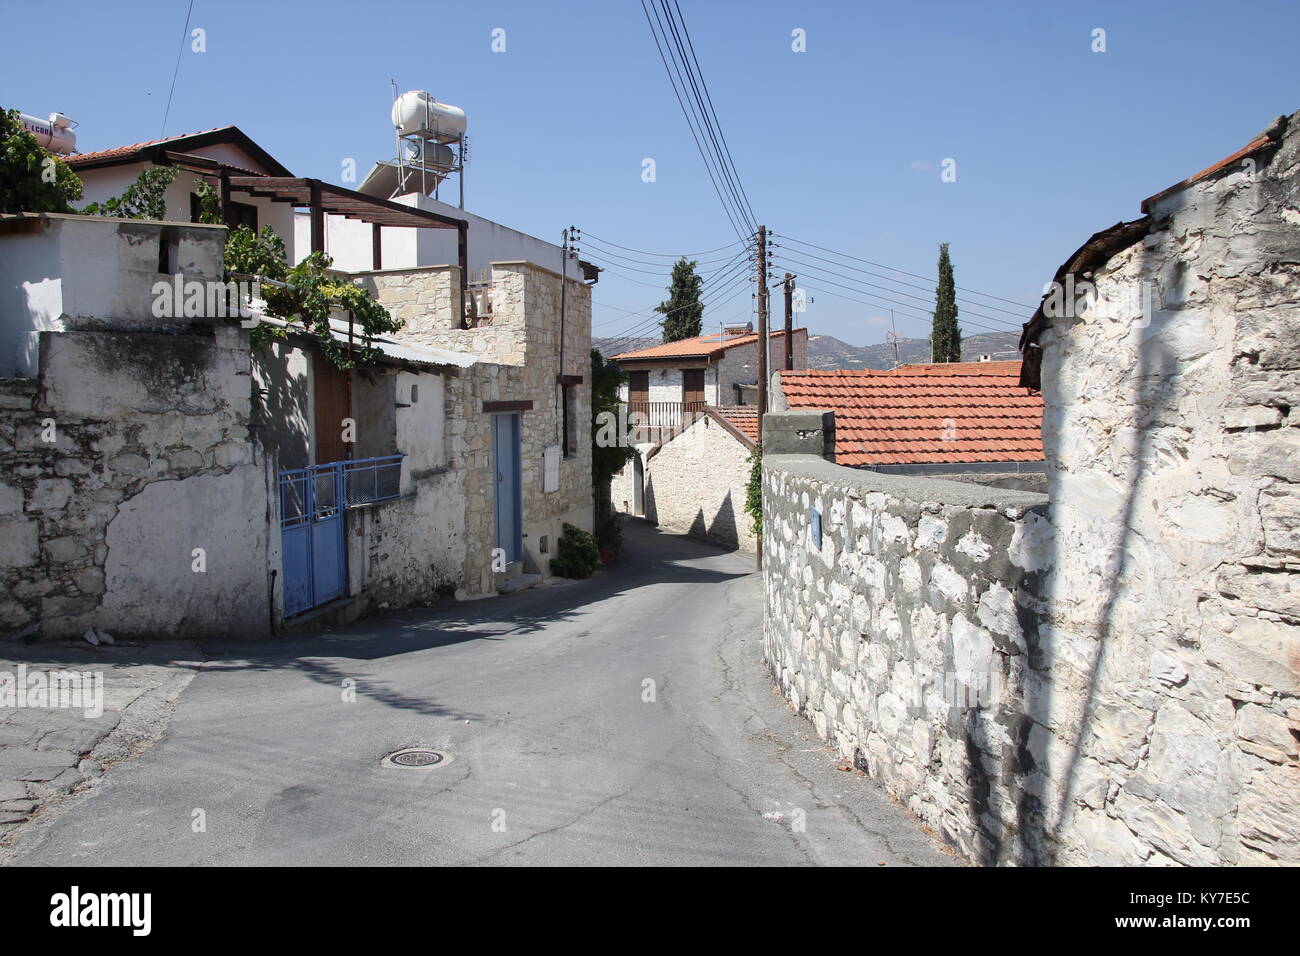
x,y
416,111
430,155
54,134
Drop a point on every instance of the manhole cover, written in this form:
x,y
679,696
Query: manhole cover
x,y
415,758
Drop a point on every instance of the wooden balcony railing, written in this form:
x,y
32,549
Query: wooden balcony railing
x,y
656,417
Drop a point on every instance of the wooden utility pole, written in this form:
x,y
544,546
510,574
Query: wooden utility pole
x,y
762,328
789,322
762,353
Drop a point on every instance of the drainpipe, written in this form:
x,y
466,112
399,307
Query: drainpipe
x,y
564,288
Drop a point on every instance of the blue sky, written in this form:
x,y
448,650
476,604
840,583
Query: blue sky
x,y
840,146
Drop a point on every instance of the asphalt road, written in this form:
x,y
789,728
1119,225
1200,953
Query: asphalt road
x,y
558,754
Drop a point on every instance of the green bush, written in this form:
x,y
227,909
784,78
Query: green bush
x,y
754,490
576,554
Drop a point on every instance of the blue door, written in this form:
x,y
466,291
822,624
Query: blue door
x,y
311,534
506,499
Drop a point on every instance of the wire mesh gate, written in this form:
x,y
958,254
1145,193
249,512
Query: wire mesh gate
x,y
313,501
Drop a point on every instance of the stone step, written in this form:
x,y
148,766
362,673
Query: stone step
x,y
518,583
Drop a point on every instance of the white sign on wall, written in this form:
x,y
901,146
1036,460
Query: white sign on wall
x,y
550,468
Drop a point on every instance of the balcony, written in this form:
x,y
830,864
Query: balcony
x,y
656,421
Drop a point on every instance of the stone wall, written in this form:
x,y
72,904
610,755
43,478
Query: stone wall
x,y
519,360
695,484
1173,447
423,299
152,458
1142,638
910,638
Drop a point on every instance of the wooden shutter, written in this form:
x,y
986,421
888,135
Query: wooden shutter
x,y
693,388
638,386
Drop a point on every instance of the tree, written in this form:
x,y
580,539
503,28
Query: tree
x,y
607,458
31,179
945,335
683,312
305,294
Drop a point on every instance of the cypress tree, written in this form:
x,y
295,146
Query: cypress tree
x,y
945,334
683,312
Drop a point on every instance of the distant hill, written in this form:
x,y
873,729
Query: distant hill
x,y
828,352
616,346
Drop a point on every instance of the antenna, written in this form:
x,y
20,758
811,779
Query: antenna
x,y
893,339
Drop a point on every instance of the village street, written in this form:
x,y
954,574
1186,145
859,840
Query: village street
x,y
560,749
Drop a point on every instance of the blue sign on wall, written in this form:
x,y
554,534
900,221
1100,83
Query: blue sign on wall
x,y
815,528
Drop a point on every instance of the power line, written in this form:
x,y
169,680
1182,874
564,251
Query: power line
x,y
712,125
910,285
737,208
712,300
914,275
650,262
717,124
176,72
921,315
664,255
967,311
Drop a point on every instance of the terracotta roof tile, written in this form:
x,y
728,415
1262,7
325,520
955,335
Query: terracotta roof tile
x,y
925,414
702,346
744,418
80,158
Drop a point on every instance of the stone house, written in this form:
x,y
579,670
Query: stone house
x,y
225,150
696,482
1108,673
694,432
448,466
669,383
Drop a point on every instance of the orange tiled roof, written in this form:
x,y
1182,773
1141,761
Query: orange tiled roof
x,y
744,418
80,158
702,346
956,413
150,150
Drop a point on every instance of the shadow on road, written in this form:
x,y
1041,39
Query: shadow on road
x,y
650,557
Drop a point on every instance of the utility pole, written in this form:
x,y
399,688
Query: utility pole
x,y
789,322
762,328
762,352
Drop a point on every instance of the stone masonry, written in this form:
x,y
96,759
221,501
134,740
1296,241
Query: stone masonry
x,y
1137,642
519,356
696,484
128,453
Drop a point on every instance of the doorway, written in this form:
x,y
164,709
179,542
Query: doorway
x,y
507,500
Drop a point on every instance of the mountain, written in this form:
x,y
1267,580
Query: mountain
x,y
615,346
828,352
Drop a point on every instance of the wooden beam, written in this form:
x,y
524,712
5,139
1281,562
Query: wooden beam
x,y
376,247
317,218
524,406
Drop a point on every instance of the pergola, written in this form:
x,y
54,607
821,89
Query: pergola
x,y
320,198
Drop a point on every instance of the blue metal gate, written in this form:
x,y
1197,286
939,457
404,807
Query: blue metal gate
x,y
312,505
311,532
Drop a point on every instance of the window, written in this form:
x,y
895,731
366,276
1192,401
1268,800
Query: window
x,y
570,420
